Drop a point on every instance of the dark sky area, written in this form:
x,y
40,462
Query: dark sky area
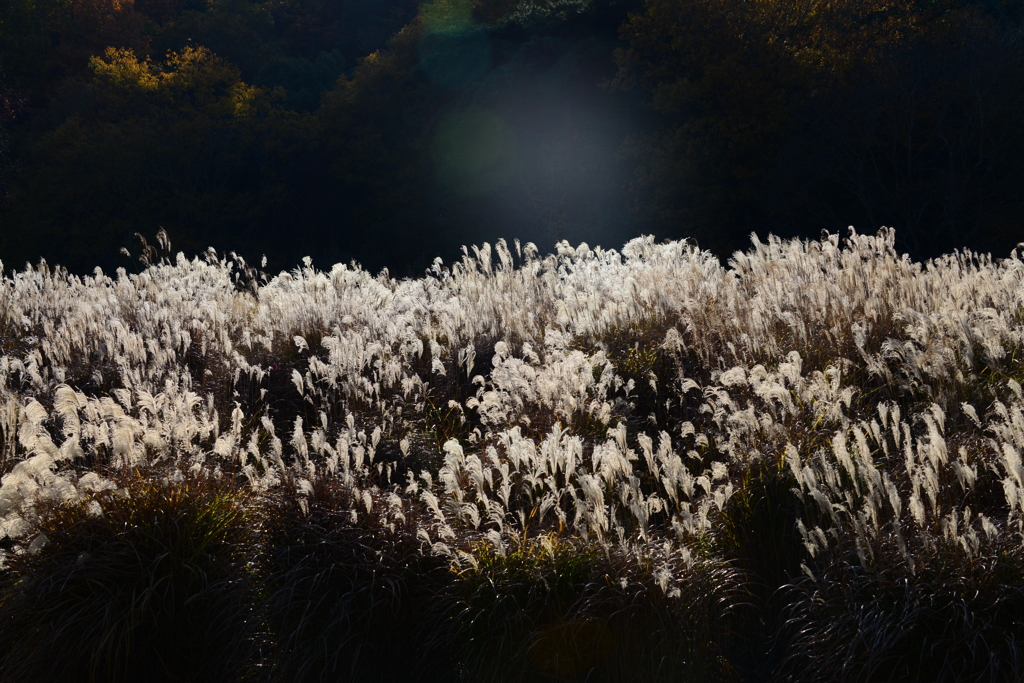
x,y
391,132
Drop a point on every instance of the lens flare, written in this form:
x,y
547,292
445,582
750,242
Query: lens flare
x,y
473,151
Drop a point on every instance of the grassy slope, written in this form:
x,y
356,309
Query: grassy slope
x,y
595,464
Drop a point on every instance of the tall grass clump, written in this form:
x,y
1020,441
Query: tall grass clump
x,y
554,610
914,573
147,578
594,464
348,594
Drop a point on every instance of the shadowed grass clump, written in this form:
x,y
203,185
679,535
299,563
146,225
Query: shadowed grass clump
x,y
349,592
758,535
563,610
758,527
954,620
149,580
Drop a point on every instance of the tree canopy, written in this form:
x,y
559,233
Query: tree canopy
x,y
391,131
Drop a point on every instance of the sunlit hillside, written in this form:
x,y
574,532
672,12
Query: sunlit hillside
x,y
602,464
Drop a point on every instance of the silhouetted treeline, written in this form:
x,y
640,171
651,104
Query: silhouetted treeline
x,y
393,131
793,117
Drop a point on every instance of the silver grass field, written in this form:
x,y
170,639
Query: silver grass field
x,y
595,465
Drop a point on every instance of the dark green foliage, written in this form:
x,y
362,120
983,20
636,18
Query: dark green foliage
x,y
790,120
761,116
184,143
149,581
304,80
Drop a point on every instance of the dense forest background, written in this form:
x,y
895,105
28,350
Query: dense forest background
x,y
394,131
